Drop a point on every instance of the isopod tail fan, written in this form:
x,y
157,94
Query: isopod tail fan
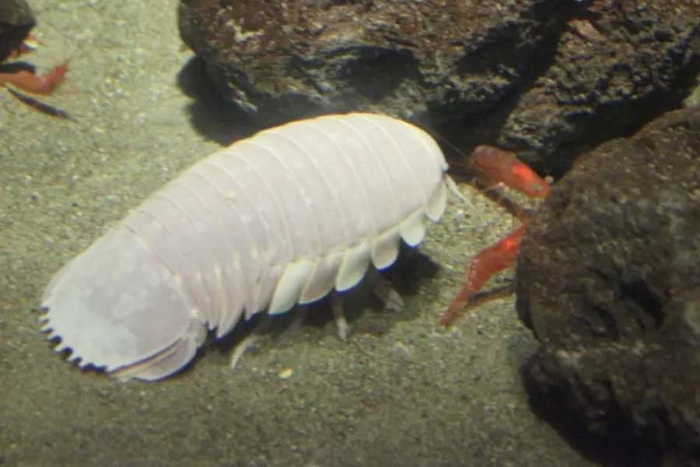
x,y
97,303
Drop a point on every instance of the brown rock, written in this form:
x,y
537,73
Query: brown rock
x,y
608,278
617,66
544,78
16,20
289,59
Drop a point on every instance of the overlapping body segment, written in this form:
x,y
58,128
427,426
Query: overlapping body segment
x,y
280,218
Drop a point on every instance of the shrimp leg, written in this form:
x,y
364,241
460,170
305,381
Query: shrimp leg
x,y
495,166
488,262
28,81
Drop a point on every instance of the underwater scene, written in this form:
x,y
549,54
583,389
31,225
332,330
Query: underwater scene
x,y
349,233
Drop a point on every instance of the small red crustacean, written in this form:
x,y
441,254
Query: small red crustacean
x,y
16,22
495,167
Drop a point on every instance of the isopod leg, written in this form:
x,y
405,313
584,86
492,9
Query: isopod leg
x,y
299,315
382,289
385,292
484,265
249,341
336,302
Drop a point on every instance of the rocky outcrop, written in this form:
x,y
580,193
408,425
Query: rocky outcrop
x,y
545,78
16,20
402,57
608,278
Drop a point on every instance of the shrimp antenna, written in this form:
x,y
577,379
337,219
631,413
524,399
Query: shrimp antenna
x,y
451,185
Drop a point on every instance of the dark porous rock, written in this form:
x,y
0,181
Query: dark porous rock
x,y
402,57
608,278
544,78
16,20
618,65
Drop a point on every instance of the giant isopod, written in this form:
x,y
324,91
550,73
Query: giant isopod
x,y
280,218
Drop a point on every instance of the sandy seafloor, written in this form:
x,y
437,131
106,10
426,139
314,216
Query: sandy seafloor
x,y
401,391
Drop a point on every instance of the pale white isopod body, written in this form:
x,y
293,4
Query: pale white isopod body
x,y
277,219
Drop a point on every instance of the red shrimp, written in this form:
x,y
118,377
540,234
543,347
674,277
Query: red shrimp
x,y
496,166
28,81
